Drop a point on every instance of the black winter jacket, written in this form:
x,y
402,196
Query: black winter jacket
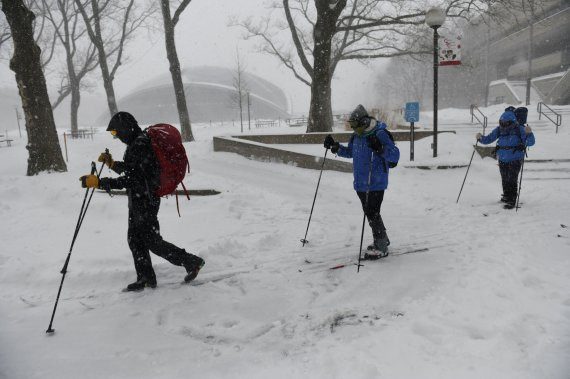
x,y
139,170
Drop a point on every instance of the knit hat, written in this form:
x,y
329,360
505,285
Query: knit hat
x,y
359,117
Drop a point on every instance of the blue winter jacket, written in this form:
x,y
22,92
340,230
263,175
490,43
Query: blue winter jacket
x,y
361,154
511,144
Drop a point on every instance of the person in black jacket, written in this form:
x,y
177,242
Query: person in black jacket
x,y
140,175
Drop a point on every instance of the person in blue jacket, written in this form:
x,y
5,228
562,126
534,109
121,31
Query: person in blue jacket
x,y
373,152
513,139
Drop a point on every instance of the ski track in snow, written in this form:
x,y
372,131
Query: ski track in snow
x,y
488,299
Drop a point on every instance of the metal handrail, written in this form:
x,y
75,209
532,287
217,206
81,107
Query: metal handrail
x,y
474,108
558,121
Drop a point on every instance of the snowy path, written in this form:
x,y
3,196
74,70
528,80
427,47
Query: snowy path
x,y
488,299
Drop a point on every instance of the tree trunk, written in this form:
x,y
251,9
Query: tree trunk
x,y
320,111
108,84
172,56
74,107
107,79
241,111
43,145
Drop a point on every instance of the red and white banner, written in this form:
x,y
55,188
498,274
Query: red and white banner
x,y
449,50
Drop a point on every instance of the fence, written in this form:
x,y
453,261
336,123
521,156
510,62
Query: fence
x,y
301,121
265,123
80,133
541,112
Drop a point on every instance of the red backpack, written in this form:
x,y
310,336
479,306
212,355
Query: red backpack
x,y
172,159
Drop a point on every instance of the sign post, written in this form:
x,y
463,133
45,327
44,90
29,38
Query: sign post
x,y
411,115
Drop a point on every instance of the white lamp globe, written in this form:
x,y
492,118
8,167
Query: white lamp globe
x,y
435,17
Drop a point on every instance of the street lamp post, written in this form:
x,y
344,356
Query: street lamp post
x,y
434,19
18,118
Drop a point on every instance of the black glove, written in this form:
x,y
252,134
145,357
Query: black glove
x,y
375,144
330,143
105,184
334,147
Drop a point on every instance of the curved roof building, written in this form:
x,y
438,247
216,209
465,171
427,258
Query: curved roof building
x,y
209,93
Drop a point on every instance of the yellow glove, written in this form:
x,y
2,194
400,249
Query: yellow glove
x,y
89,181
107,158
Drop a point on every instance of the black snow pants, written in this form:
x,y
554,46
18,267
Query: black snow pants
x,y
144,235
509,177
372,211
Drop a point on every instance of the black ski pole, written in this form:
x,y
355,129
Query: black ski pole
x,y
520,182
468,167
304,240
364,217
63,271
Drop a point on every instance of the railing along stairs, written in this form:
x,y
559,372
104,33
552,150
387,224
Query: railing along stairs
x,y
483,121
549,112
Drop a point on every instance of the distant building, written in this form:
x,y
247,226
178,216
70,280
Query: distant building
x,y
499,52
494,61
209,92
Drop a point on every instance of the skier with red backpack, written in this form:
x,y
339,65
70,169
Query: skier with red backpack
x,y
146,174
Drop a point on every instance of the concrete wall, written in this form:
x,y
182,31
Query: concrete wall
x,y
258,151
315,138
256,147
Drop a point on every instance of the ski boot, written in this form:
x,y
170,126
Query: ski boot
x,y
141,284
509,205
377,250
193,269
510,202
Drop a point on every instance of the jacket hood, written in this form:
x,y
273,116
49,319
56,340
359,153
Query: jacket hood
x,y
508,116
126,126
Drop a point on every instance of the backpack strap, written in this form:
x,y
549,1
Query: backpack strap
x,y
520,146
177,205
187,196
185,191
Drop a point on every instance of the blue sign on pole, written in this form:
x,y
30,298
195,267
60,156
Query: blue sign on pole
x,y
412,113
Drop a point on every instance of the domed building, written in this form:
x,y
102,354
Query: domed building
x,y
209,93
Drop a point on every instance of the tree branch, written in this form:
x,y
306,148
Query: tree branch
x,y
300,52
179,11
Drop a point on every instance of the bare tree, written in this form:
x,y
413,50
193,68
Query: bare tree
x,y
172,55
119,19
240,85
43,35
338,30
405,79
43,146
80,53
4,31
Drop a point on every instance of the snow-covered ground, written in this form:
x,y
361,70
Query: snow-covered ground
x,y
489,299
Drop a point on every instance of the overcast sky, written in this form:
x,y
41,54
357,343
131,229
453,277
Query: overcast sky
x,y
203,38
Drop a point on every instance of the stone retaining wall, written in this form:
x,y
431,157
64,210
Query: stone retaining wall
x,y
314,138
256,147
258,151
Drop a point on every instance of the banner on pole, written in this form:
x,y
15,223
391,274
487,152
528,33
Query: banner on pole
x,y
450,50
